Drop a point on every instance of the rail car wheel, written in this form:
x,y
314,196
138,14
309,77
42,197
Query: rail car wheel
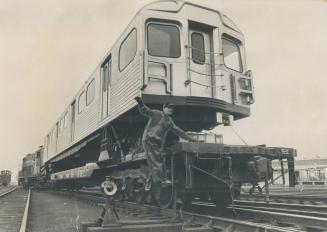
x,y
138,192
187,199
128,191
221,199
236,191
204,197
119,196
167,197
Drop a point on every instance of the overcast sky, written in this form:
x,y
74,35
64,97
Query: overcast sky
x,y
48,49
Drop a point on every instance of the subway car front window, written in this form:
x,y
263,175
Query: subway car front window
x,y
163,40
232,54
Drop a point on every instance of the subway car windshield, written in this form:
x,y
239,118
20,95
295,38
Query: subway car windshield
x,y
163,40
232,55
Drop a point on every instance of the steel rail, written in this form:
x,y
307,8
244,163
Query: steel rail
x,y
306,193
300,198
26,211
283,217
285,210
310,209
306,215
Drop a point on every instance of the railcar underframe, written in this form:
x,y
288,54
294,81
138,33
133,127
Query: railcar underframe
x,y
213,171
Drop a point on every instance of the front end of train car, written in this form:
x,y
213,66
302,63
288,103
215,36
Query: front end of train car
x,y
194,57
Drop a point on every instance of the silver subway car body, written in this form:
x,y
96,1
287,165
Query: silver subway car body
x,y
171,51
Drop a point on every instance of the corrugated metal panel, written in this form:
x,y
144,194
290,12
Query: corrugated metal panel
x,y
124,92
63,138
52,148
122,96
87,121
125,89
64,135
124,108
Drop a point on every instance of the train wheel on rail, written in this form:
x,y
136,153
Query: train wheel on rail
x,y
187,199
225,197
221,199
167,197
138,191
169,194
128,190
236,191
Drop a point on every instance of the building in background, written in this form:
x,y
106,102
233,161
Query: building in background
x,y
310,171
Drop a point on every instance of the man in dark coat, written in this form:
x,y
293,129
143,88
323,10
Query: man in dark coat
x,y
154,137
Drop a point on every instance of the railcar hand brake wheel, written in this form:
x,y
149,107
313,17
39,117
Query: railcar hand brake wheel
x,y
109,187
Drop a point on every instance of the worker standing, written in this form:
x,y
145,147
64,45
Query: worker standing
x,y
154,137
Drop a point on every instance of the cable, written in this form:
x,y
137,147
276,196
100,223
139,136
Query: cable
x,y
206,74
209,174
223,87
238,135
201,51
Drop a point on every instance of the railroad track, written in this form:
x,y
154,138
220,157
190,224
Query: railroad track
x,y
13,204
299,198
64,211
307,217
152,218
291,216
298,188
6,189
307,210
57,212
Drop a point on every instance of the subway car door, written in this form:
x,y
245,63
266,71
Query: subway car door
x,y
200,61
105,73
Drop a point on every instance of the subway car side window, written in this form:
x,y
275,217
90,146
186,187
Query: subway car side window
x,y
127,50
66,120
90,92
81,102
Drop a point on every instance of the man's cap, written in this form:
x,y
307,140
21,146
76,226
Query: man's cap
x,y
168,105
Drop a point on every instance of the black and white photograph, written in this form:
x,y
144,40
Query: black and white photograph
x,y
163,115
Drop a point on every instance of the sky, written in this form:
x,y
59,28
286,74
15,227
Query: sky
x,y
49,48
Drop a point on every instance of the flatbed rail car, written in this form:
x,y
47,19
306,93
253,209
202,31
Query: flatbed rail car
x,y
204,170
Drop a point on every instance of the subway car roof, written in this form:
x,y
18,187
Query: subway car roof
x,y
175,6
